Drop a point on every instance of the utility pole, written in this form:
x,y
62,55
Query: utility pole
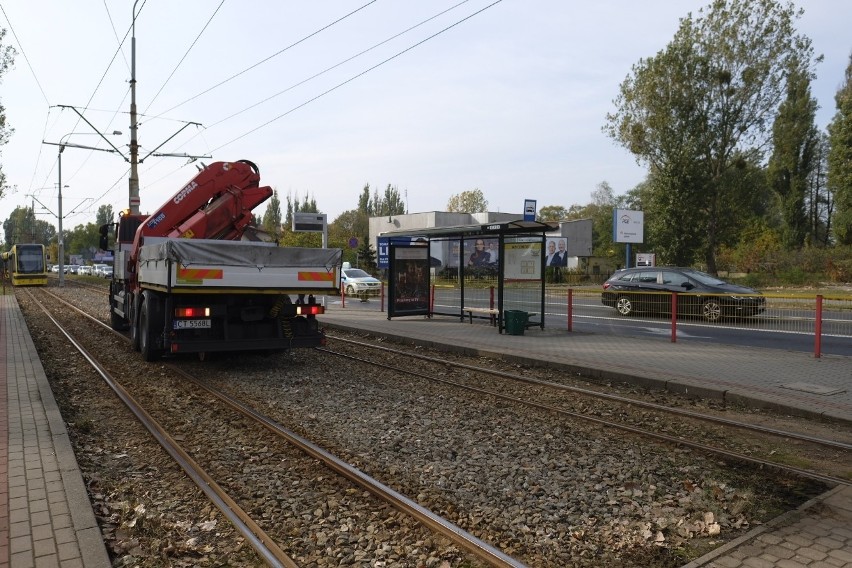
x,y
134,142
32,213
133,181
60,242
62,145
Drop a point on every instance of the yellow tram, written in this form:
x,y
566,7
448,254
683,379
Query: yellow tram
x,y
25,265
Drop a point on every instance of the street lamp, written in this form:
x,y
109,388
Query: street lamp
x,y
62,145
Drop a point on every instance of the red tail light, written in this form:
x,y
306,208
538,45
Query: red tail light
x,y
309,310
192,312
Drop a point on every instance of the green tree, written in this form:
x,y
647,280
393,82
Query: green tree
x,y
820,200
272,217
22,226
366,257
7,58
600,212
471,201
795,142
352,223
840,161
390,203
552,213
699,110
104,215
82,240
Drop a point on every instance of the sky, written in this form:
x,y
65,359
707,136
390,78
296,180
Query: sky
x,y
434,98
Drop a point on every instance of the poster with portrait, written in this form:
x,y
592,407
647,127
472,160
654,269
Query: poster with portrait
x,y
480,252
409,281
556,254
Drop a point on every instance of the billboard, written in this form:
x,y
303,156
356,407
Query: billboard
x,y
628,226
409,281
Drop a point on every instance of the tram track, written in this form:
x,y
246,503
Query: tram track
x,y
546,490
259,540
633,415
264,544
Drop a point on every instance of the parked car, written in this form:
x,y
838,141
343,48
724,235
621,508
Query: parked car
x,y
85,270
97,269
649,289
106,271
356,282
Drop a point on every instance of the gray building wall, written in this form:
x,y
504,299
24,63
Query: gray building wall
x,y
579,234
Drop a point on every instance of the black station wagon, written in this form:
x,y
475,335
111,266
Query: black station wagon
x,y
650,289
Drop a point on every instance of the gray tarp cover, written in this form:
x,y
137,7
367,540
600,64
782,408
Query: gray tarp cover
x,y
188,252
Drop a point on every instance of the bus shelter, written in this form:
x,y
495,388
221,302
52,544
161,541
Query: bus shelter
x,y
494,271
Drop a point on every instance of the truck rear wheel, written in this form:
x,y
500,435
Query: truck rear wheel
x,y
151,327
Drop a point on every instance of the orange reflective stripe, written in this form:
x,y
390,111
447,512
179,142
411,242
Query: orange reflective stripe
x,y
198,274
316,276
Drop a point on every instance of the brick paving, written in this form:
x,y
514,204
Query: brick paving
x,y
46,518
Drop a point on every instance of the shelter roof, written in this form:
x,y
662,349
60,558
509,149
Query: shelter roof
x,y
518,226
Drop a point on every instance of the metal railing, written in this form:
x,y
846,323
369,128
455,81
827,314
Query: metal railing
x,y
814,318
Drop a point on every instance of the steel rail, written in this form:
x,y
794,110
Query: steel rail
x,y
834,444
632,429
477,547
259,540
446,528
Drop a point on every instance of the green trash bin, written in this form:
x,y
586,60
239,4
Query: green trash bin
x,y
516,321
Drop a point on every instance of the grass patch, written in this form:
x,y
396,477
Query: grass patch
x,y
790,459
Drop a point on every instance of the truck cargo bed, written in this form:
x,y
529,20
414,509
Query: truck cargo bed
x,y
190,264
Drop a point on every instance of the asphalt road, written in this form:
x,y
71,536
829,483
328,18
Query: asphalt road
x,y
791,329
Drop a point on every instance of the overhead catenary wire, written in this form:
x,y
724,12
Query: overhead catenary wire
x,y
325,71
336,65
274,55
354,77
106,192
182,59
41,89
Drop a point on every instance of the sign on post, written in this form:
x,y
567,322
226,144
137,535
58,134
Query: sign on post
x,y
627,226
309,222
529,210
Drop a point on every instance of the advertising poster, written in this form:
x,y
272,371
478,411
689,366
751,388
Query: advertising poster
x,y
409,281
481,252
523,260
556,252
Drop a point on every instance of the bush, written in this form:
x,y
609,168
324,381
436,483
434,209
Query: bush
x,y
806,266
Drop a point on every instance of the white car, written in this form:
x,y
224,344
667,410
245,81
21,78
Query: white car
x,y
356,282
97,269
85,270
